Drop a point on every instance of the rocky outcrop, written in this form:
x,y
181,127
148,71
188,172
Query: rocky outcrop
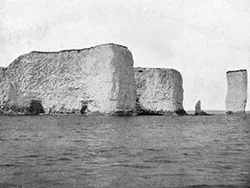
x,y
236,98
97,79
32,108
198,110
159,91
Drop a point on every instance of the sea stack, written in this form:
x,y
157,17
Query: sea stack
x,y
159,91
96,79
236,98
198,110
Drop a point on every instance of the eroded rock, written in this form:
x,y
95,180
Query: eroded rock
x,y
159,91
198,110
102,76
236,98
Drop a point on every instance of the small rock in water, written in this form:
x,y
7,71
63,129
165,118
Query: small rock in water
x,y
199,111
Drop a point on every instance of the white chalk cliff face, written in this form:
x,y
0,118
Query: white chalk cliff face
x,y
100,78
159,90
236,98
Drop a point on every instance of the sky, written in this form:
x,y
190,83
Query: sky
x,y
202,39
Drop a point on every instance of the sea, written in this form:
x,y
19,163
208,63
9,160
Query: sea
x,y
67,151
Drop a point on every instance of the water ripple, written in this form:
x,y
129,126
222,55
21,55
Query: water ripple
x,y
155,151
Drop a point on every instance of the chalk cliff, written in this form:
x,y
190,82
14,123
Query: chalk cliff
x,y
236,98
159,91
72,81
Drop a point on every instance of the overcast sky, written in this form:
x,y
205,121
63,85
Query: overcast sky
x,y
200,38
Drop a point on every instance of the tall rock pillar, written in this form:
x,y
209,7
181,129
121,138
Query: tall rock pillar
x,y
236,98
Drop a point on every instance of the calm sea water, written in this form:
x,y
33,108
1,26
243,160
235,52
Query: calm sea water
x,y
146,151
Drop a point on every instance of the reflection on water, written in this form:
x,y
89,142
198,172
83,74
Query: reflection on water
x,y
153,151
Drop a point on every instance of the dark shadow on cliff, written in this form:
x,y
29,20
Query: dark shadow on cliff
x,y
142,111
235,113
35,108
181,112
84,109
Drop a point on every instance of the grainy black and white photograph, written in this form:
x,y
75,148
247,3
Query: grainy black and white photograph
x,y
124,94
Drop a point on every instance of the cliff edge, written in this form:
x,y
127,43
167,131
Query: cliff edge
x,y
97,79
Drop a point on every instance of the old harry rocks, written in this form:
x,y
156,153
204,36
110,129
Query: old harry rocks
x,y
236,98
72,81
159,91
